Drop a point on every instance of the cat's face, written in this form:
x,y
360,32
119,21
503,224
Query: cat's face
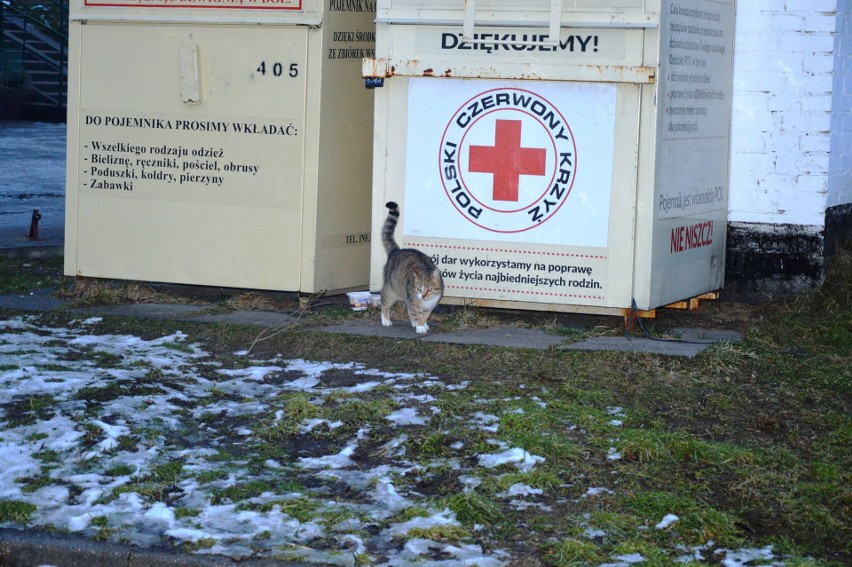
x,y
428,285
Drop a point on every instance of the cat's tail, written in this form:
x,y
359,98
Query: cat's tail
x,y
390,226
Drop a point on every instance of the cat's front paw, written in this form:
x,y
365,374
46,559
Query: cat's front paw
x,y
386,322
421,329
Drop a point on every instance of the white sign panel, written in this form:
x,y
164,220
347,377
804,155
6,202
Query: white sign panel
x,y
523,162
691,192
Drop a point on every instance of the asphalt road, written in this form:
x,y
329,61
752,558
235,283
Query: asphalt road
x,y
32,177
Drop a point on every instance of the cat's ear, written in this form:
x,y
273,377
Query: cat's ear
x,y
418,270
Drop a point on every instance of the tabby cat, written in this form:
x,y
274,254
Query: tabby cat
x,y
409,276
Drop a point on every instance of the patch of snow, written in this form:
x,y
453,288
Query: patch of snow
x,y
625,560
442,518
747,556
667,521
256,373
406,416
485,422
520,489
597,491
522,459
396,446
309,425
338,461
524,505
387,497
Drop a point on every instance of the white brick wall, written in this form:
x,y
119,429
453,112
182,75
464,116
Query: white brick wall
x,y
840,162
785,122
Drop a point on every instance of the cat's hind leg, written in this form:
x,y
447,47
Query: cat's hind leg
x,y
388,299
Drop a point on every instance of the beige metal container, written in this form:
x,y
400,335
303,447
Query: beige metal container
x,y
220,142
556,155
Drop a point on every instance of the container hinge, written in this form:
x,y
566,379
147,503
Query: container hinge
x,y
552,37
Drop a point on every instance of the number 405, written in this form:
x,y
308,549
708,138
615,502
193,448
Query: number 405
x,y
278,69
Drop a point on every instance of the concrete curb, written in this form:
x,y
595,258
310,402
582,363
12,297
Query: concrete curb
x,y
32,251
30,549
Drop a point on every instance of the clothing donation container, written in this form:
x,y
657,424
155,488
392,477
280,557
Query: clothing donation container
x,y
565,155
220,142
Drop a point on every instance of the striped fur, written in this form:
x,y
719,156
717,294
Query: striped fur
x,y
410,276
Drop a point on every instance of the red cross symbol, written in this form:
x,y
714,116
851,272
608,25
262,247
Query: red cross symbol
x,y
507,160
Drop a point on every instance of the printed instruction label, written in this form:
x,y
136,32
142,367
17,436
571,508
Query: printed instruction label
x,y
175,158
519,275
698,54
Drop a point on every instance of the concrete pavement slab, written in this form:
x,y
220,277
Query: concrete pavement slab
x,y
259,318
39,300
43,300
147,310
509,337
691,342
369,328
634,344
707,335
27,548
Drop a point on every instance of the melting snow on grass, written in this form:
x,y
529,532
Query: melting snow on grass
x,y
152,441
155,441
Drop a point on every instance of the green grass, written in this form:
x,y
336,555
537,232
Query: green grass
x,y
472,508
30,484
356,412
104,531
16,511
120,470
698,523
443,532
643,446
26,410
184,512
20,276
168,472
296,408
748,444
241,491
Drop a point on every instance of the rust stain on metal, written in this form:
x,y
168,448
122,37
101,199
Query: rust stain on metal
x,y
428,72
448,73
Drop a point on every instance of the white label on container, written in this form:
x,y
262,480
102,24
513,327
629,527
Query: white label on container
x,y
228,4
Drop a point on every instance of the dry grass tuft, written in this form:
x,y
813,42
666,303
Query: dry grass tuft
x,y
91,291
250,301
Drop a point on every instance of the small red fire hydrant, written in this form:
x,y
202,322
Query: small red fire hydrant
x,y
34,225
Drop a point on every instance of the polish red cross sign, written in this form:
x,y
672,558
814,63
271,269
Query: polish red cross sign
x,y
507,160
